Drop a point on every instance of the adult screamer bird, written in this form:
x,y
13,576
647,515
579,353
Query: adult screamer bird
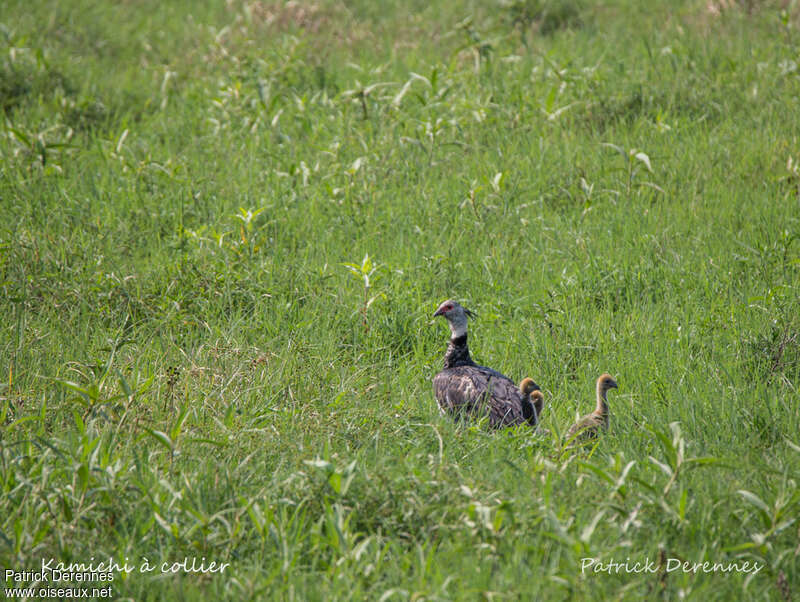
x,y
464,387
587,427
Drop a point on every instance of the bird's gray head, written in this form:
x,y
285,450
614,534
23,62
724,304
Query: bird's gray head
x,y
456,316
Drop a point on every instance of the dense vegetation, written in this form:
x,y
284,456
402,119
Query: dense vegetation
x,y
225,227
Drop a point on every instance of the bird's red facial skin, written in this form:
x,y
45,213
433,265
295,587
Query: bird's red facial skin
x,y
448,307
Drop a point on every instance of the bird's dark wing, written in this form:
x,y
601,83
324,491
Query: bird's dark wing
x,y
455,389
505,402
479,391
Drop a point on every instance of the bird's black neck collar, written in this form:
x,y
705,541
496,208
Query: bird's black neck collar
x,y
460,341
458,353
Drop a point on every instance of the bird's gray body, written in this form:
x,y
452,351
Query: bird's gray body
x,y
465,389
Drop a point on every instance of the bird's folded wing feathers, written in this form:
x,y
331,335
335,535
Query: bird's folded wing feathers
x,y
476,389
505,402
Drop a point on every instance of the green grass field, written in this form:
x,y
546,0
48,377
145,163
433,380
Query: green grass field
x,y
225,228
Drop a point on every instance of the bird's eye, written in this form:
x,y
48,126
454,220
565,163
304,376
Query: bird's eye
x,y
448,307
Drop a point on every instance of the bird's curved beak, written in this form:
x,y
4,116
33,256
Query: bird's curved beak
x,y
614,384
438,312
